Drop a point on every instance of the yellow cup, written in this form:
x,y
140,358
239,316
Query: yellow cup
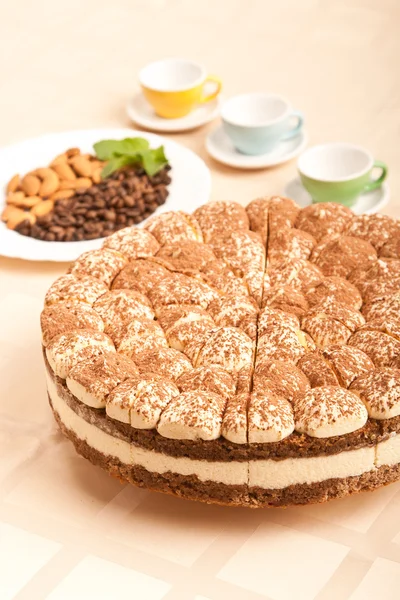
x,y
174,86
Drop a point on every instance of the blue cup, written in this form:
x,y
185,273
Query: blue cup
x,y
256,123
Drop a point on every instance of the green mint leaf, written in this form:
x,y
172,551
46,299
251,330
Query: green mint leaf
x,y
107,149
154,160
159,154
129,151
132,146
117,163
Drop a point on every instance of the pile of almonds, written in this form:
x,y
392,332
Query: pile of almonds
x,y
68,201
34,195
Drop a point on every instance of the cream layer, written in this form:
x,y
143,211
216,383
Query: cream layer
x,y
278,474
388,452
149,459
267,474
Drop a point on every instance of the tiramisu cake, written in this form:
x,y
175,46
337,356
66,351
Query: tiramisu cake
x,y
243,356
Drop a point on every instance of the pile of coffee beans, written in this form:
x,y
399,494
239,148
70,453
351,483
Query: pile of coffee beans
x,y
125,198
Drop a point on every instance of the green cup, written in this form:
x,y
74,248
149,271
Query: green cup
x,y
339,173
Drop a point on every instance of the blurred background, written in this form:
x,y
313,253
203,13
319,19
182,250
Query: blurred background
x,y
74,65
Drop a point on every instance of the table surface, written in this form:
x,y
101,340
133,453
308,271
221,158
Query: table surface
x,y
67,530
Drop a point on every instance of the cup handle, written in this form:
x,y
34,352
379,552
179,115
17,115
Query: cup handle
x,y
214,94
296,130
376,183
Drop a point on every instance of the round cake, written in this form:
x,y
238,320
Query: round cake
x,y
241,356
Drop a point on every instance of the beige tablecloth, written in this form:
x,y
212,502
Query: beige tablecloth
x,y
67,530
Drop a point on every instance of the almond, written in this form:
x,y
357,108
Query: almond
x,y
16,217
13,184
59,159
64,171
50,181
15,198
29,201
62,194
30,184
43,208
67,184
80,182
72,152
81,165
83,182
8,212
96,175
95,164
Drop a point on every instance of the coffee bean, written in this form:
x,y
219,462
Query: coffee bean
x,y
99,203
127,186
88,227
63,221
133,212
109,215
129,201
24,227
80,211
68,220
149,197
56,229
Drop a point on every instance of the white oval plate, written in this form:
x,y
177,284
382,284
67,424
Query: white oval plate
x,y
368,203
220,147
142,113
190,186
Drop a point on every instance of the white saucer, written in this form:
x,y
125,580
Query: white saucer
x,y
220,147
368,203
141,113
